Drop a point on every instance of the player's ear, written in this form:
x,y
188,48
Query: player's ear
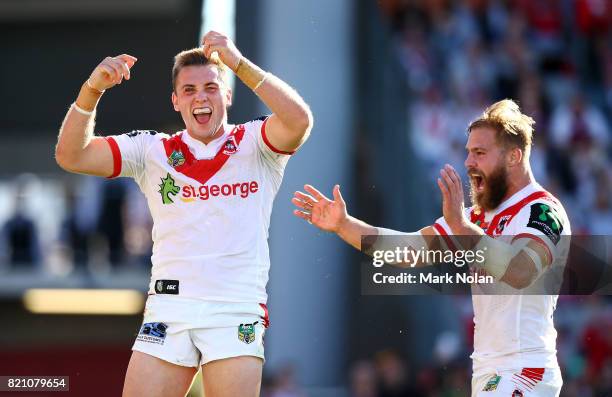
x,y
228,96
174,99
515,156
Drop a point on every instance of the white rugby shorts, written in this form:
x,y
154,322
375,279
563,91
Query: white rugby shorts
x,y
191,332
523,382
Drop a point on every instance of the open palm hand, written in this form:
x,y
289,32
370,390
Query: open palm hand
x,y
319,210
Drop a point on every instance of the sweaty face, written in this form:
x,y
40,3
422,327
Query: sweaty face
x,y
202,99
486,169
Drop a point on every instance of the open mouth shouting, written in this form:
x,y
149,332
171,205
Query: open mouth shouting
x,y
478,181
202,115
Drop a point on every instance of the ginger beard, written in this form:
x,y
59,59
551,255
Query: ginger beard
x,y
488,191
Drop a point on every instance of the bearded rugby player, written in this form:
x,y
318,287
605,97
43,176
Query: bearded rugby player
x,y
210,189
519,223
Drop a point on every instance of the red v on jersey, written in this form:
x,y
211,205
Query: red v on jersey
x,y
202,170
477,217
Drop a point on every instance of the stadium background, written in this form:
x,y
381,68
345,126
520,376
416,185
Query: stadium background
x,y
392,85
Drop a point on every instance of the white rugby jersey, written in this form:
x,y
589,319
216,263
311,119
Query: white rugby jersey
x,y
517,330
211,208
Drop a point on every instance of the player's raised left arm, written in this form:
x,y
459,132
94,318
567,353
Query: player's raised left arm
x,y
291,119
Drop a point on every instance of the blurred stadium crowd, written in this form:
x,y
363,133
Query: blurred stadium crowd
x,y
553,56
83,224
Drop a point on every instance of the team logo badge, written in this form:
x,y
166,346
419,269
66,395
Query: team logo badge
x,y
502,224
168,188
176,158
517,393
230,146
492,383
246,332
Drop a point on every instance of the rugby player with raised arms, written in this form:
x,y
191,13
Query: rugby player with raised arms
x,y
521,228
210,190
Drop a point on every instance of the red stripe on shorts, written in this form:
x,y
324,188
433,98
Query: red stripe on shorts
x,y
536,374
265,318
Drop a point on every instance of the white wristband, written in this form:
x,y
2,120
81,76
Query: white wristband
x,y
397,242
414,239
497,255
537,262
82,111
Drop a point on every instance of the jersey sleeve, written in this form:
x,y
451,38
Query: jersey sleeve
x,y
442,229
544,222
129,152
272,156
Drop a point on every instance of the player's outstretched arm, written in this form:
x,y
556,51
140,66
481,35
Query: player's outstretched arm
x,y
77,149
291,121
330,215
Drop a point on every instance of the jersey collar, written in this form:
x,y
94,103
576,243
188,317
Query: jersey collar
x,y
515,198
202,151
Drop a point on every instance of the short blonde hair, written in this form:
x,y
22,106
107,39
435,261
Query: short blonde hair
x,y
513,128
195,56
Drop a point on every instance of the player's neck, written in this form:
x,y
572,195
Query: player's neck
x,y
518,182
208,139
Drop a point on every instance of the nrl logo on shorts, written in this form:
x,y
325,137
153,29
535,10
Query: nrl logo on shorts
x,y
176,158
230,146
492,383
246,332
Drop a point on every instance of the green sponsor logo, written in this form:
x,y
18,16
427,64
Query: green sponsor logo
x,y
546,219
549,217
168,188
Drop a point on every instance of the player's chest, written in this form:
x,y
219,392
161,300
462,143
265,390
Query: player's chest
x,y
175,175
495,224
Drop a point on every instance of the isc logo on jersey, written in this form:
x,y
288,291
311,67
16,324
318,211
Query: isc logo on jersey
x,y
170,287
190,193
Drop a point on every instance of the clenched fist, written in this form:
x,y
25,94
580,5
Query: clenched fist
x,y
223,46
111,71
